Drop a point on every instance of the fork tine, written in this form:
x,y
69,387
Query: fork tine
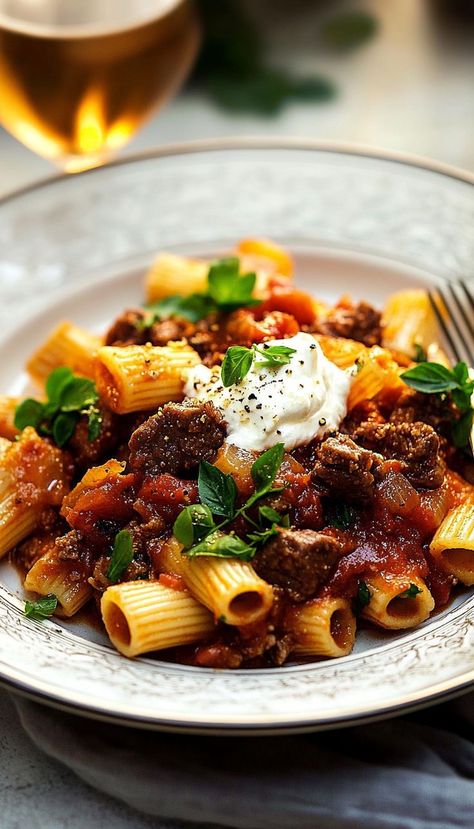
x,y
467,293
468,319
455,322
444,328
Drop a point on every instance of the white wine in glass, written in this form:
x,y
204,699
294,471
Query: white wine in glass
x,y
78,77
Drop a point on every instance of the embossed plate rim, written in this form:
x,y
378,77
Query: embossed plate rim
x,y
267,719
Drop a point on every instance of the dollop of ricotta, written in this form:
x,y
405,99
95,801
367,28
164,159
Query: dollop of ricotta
x,y
288,404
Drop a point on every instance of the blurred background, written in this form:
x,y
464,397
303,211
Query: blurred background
x,y
392,74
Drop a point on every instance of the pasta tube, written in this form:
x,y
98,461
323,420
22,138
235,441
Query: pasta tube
x,y
171,275
142,377
263,253
340,351
389,609
7,417
143,616
17,520
68,345
230,588
453,543
32,477
378,372
65,578
408,321
322,627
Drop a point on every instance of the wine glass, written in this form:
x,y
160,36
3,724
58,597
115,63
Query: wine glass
x,y
78,77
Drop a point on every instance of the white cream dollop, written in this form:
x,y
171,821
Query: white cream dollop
x,y
288,404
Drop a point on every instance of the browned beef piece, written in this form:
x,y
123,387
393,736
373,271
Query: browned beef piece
x,y
299,561
356,322
433,409
176,328
415,445
72,546
126,330
343,469
177,438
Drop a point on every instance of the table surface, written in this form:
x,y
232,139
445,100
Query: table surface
x,y
409,90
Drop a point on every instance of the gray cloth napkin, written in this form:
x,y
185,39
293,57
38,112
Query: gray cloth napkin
x,y
414,772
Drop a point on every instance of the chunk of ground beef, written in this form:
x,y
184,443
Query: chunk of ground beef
x,y
299,561
415,445
177,438
127,329
358,322
343,469
433,409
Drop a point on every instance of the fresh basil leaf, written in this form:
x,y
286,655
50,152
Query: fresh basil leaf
x,y
29,413
265,468
461,429
236,364
269,514
183,529
362,598
227,288
412,591
41,608
193,308
274,355
63,427
419,353
122,555
217,490
220,545
57,380
461,373
462,398
193,524
77,394
260,537
430,378
94,426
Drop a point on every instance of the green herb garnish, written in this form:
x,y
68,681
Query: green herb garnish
x,y
198,532
238,360
227,290
362,598
193,524
434,378
69,398
42,608
420,355
216,490
411,592
122,555
349,30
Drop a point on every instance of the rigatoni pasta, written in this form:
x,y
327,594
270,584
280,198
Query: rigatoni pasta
x,y
138,378
68,345
64,578
144,616
453,543
310,481
398,602
322,627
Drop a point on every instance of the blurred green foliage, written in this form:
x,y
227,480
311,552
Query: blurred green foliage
x,y
349,30
233,70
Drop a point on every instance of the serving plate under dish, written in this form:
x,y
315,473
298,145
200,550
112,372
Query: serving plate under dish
x,y
76,248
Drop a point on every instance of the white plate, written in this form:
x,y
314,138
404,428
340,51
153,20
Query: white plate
x,y
73,666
